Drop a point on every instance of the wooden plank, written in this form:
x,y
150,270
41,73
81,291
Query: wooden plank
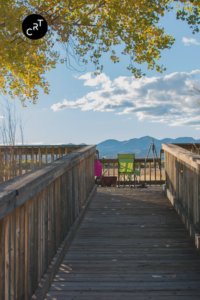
x,y
20,160
150,173
46,230
13,256
26,159
15,163
145,248
2,259
49,205
6,164
53,232
39,237
61,208
182,154
22,251
18,242
46,156
7,255
52,154
32,248
46,281
32,159
40,156
36,160
59,151
36,231
27,246
1,167
10,163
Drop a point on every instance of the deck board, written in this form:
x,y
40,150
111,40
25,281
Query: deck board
x,y
131,245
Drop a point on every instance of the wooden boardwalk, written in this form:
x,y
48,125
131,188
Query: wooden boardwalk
x,y
131,245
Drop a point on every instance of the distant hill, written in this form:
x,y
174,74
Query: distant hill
x,y
110,148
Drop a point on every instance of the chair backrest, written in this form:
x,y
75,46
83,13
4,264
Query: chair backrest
x,y
126,163
98,168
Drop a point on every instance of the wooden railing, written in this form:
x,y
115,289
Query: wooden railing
x,y
152,173
183,179
37,210
17,160
192,147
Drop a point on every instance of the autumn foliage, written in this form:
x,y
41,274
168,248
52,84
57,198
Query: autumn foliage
x,y
90,27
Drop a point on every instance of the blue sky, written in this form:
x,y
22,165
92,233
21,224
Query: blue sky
x,y
83,109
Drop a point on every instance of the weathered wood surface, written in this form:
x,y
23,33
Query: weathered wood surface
x,y
37,210
193,147
183,179
131,245
14,159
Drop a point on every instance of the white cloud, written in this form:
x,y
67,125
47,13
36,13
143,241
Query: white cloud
x,y
157,99
187,41
2,117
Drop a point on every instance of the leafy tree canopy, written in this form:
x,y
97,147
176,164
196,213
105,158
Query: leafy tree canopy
x,y
83,27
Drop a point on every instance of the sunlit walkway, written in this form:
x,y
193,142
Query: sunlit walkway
x,y
131,245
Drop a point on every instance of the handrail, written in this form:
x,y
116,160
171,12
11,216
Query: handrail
x,y
37,210
184,155
16,160
183,179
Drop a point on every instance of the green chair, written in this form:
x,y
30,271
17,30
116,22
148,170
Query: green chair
x,y
126,167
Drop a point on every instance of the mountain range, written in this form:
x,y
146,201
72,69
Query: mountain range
x,y
110,148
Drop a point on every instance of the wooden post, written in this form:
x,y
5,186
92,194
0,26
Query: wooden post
x,y
150,172
6,163
32,159
7,255
40,156
20,161
52,154
10,164
66,151
13,256
46,155
26,158
1,168
160,170
15,162
59,151
2,258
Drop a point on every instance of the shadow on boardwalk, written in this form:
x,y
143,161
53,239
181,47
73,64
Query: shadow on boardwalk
x,y
131,245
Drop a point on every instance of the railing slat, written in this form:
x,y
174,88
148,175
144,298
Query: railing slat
x,y
7,255
27,258
2,259
182,179
35,241
22,251
13,256
37,209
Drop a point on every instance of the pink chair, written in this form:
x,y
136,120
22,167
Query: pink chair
x,y
98,168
